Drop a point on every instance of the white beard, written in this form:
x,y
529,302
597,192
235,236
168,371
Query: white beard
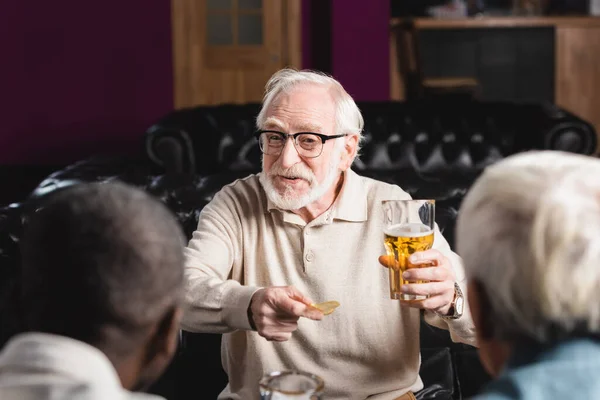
x,y
288,200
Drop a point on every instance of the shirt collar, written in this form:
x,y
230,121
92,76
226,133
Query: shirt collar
x,y
350,205
58,354
270,205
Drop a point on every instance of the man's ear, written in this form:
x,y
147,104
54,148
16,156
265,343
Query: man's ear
x,y
161,347
349,152
493,352
480,310
168,328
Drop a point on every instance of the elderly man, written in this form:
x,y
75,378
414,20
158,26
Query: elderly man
x,y
529,234
308,229
102,272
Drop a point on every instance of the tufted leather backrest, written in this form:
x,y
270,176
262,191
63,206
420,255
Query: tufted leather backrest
x,y
428,138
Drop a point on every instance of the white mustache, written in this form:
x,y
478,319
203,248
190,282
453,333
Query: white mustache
x,y
295,171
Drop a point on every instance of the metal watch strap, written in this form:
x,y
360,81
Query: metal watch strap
x,y
452,310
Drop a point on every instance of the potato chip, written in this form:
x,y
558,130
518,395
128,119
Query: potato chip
x,y
326,307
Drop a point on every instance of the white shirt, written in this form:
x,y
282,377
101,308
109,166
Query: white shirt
x,y
50,367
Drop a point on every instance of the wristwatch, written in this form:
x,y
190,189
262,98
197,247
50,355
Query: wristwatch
x,y
457,306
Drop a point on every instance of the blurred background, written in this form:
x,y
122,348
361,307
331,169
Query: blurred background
x,y
82,78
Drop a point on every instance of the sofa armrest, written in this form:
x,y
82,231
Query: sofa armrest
x,y
437,374
469,372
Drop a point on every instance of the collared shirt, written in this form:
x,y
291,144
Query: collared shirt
x,y
567,370
368,347
38,366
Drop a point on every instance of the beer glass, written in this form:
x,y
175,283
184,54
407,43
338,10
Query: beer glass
x,y
408,228
296,385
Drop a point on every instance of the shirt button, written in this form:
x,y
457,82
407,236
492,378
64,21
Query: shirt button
x,y
310,256
307,232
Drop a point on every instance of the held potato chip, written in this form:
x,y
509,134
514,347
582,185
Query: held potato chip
x,y
326,307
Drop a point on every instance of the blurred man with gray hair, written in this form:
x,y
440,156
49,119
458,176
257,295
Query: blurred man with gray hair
x,y
100,294
529,235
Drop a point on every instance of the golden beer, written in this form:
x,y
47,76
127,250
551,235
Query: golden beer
x,y
401,241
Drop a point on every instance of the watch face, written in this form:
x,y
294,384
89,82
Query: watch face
x,y
458,308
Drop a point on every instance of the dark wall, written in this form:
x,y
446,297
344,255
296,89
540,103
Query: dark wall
x,y
360,47
515,64
81,78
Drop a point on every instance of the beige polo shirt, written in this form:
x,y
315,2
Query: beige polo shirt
x,y
368,347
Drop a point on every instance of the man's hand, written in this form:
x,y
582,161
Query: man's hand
x,y
276,310
432,266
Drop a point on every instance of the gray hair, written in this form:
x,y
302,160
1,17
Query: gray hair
x,y
529,233
349,120
97,256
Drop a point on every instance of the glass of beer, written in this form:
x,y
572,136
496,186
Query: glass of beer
x,y
296,385
408,228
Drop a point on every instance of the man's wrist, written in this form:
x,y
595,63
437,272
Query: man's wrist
x,y
445,311
456,307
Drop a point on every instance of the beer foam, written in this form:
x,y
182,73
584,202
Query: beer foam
x,y
408,230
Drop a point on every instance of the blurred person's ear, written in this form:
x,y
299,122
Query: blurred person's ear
x,y
161,347
493,352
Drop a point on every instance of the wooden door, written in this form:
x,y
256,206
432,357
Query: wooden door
x,y
578,72
224,51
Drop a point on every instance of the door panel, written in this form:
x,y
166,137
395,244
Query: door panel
x,y
225,51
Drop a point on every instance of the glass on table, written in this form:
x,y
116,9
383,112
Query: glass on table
x,y
296,385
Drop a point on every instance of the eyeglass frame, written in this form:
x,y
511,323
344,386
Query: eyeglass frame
x,y
286,136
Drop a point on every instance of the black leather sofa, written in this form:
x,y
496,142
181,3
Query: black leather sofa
x,y
431,149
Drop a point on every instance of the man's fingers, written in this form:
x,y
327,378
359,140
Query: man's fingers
x,y
427,256
286,318
295,304
286,326
280,337
295,294
276,335
427,289
431,303
389,262
309,312
426,274
276,311
417,261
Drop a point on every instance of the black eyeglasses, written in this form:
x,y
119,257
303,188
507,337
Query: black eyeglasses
x,y
308,144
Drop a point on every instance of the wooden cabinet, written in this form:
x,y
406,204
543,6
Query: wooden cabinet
x,y
577,85
576,57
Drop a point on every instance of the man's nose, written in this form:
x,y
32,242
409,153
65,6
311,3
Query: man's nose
x,y
289,155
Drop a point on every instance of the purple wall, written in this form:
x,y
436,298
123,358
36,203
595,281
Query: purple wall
x,y
355,36
360,47
79,78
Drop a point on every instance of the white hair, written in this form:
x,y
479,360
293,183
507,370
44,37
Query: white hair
x,y
349,120
529,233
